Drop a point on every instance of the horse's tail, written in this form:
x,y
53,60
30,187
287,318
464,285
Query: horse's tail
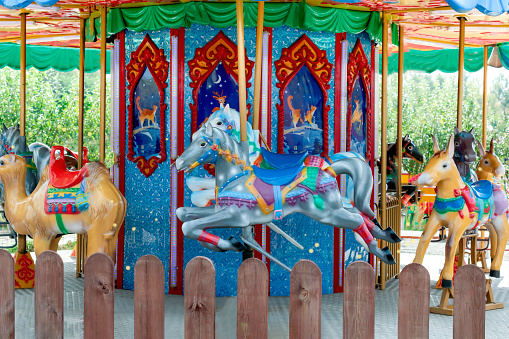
x,y
355,166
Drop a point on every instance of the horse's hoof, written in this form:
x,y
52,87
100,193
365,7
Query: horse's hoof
x,y
239,247
495,273
446,283
375,221
389,259
394,237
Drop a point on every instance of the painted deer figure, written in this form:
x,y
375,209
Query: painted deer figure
x,y
459,207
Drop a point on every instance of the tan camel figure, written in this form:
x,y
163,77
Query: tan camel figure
x,y
101,221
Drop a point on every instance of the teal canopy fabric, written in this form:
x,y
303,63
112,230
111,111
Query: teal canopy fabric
x,y
445,60
62,59
221,14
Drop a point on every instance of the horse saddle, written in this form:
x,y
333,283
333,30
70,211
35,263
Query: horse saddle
x,y
483,189
278,177
283,161
59,175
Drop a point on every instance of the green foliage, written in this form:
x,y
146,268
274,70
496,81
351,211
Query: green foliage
x,y
429,107
52,108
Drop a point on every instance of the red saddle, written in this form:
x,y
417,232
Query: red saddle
x,y
59,175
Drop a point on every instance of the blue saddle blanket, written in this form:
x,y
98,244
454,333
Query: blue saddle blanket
x,y
483,189
278,177
282,161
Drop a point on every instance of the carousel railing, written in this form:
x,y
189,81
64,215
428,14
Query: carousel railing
x,y
252,300
386,272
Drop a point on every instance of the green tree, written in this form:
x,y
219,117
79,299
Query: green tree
x,y
52,108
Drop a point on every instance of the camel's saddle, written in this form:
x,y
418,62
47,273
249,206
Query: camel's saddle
x,y
60,176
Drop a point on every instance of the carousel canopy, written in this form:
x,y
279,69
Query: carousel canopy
x,y
431,27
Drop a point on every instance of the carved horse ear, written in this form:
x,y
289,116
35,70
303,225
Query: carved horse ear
x,y
482,152
492,149
208,130
436,149
17,126
471,130
227,109
4,128
450,147
12,158
456,131
405,138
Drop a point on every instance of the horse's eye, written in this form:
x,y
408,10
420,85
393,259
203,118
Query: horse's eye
x,y
219,123
456,143
2,162
486,162
444,165
410,148
203,144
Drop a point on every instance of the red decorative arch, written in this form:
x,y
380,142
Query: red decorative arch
x,y
303,52
358,65
150,56
219,49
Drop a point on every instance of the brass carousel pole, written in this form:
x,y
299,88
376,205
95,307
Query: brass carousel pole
x,y
81,115
399,138
258,66
461,66
102,137
485,96
383,135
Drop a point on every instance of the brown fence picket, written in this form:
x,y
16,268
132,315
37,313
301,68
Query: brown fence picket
x,y
252,300
413,304
200,299
305,300
359,301
149,298
99,297
6,295
469,303
49,296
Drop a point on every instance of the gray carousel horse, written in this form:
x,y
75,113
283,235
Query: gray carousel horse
x,y
247,196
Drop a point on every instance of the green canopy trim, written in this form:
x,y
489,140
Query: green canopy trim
x,y
445,60
221,15
62,59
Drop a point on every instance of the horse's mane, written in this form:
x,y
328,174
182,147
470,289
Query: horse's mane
x,y
229,143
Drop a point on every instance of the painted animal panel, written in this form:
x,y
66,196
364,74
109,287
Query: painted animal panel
x,y
146,114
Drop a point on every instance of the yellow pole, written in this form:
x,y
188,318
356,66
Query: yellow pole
x,y
460,72
383,134
399,142
242,70
258,66
485,97
102,131
22,239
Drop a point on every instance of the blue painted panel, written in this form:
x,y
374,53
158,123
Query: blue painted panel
x,y
147,222
226,263
305,230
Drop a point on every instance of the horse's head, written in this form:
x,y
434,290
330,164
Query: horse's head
x,y
490,165
202,150
441,166
464,145
9,140
226,119
11,166
411,151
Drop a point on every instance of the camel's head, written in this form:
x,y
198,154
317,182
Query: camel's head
x,y
11,165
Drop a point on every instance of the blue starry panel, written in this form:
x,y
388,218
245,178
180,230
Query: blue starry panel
x,y
147,222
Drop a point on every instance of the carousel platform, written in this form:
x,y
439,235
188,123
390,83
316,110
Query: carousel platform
x,y
226,307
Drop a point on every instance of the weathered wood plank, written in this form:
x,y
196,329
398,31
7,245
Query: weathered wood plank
x,y
252,300
469,303
305,300
359,301
99,297
49,296
6,295
200,299
149,298
413,304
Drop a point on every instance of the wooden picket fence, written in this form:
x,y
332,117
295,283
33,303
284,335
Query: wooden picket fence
x,y
252,300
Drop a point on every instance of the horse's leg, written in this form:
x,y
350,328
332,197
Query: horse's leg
x,y
501,226
190,213
493,239
430,229
229,217
456,230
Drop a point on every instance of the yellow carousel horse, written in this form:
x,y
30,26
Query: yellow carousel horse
x,y
461,207
63,202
